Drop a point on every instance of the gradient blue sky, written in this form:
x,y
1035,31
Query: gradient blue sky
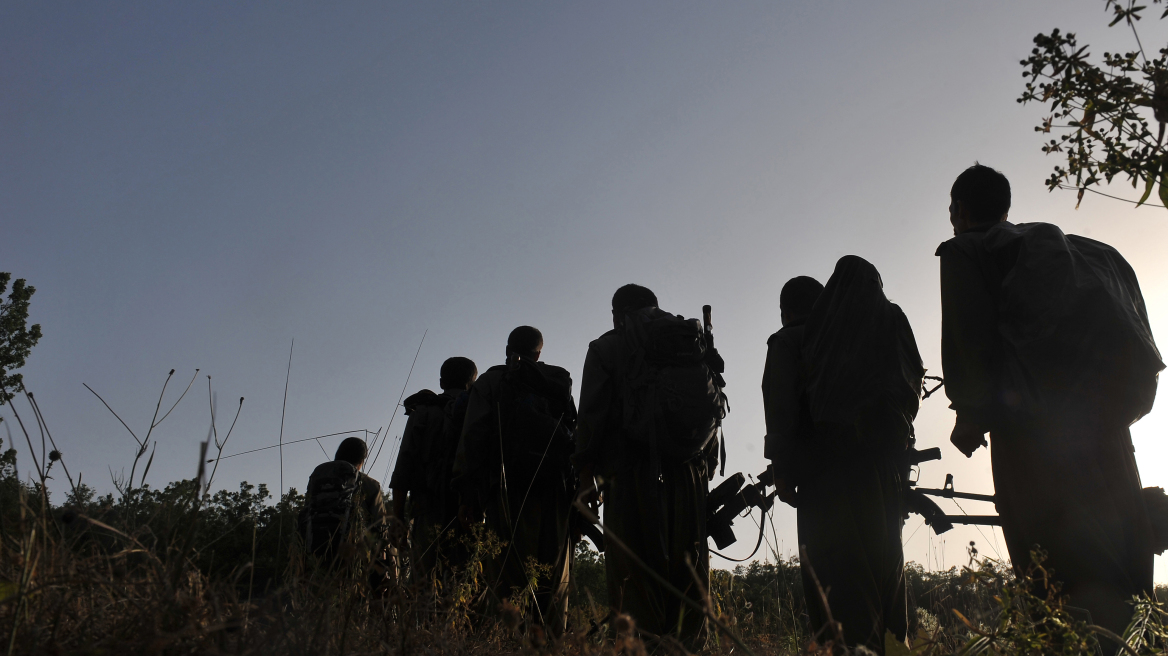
x,y
194,185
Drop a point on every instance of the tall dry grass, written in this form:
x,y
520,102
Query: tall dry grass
x,y
172,572
178,570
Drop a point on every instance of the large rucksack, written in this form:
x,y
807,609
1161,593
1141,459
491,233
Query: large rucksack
x,y
537,417
1073,325
439,460
673,399
330,511
435,450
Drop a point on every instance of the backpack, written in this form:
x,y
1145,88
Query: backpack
x,y
435,449
440,454
537,417
1073,324
673,400
330,508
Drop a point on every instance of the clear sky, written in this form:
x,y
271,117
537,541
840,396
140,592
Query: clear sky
x,y
198,184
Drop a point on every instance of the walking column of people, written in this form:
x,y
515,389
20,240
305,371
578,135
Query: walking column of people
x,y
1046,347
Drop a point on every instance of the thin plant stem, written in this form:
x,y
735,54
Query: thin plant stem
x,y
107,406
224,445
158,406
303,439
283,411
180,398
41,419
398,404
41,474
211,404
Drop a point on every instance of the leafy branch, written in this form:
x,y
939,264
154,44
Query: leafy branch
x,y
16,337
1102,114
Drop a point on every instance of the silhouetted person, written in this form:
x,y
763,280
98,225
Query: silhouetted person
x,y
784,388
512,465
1046,346
839,420
648,423
344,518
424,467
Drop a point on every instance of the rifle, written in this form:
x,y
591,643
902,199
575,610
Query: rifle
x,y
733,496
730,498
586,529
718,366
579,524
916,501
707,324
713,360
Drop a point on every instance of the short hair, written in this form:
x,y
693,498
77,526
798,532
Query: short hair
x,y
525,339
457,373
352,450
984,191
633,297
799,296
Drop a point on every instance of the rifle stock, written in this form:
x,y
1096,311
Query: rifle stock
x,y
729,499
592,532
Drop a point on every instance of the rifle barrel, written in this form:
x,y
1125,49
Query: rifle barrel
x,y
980,520
950,494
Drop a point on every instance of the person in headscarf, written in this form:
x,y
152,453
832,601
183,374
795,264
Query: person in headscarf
x,y
862,389
1046,346
784,387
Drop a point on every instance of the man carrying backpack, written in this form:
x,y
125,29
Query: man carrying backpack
x,y
343,523
1046,346
651,403
512,467
424,466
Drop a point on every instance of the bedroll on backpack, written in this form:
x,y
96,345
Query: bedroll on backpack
x,y
674,401
330,511
440,457
537,418
1073,324
440,439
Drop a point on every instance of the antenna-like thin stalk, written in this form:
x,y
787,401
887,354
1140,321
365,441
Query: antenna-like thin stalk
x,y
287,377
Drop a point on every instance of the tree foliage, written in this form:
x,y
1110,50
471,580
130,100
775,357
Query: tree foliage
x,y
16,337
1109,116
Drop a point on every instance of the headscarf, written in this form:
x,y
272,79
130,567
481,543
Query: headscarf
x,y
864,369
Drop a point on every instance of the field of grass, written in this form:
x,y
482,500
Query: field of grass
x,y
170,571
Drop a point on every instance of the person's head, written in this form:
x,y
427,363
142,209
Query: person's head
x,y
980,197
353,451
457,374
525,342
630,298
797,299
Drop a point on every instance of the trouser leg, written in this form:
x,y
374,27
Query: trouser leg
x,y
849,525
1076,495
663,524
